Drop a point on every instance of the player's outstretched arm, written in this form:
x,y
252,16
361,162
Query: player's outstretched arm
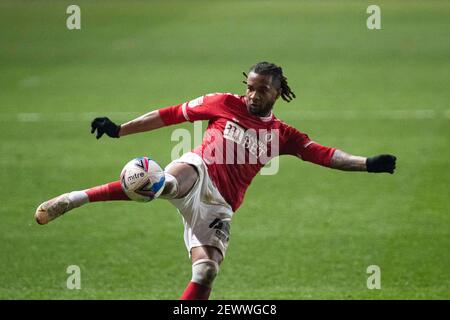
x,y
146,122
381,163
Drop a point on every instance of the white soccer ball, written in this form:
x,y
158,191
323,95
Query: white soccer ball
x,y
142,179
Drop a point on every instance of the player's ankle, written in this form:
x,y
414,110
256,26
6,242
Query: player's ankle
x,y
78,198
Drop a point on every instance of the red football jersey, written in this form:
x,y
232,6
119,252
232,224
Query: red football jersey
x,y
237,144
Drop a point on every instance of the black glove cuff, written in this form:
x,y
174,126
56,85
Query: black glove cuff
x,y
370,164
116,131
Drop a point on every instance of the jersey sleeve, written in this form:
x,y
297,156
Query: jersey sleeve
x,y
202,108
300,145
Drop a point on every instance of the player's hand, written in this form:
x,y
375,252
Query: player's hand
x,y
104,125
381,163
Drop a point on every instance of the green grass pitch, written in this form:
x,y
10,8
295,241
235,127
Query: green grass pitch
x,y
305,233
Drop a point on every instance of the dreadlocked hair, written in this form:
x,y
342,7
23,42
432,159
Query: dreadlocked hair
x,y
267,68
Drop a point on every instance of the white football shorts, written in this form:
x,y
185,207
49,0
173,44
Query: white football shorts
x,y
206,214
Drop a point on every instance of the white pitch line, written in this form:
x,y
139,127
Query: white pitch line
x,y
365,114
28,117
447,114
421,114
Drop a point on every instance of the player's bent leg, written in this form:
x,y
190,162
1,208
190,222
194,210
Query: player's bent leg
x,y
205,267
56,207
180,179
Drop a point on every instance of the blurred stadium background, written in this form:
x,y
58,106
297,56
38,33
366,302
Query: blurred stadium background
x,y
307,232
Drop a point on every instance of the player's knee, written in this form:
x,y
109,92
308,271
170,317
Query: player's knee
x,y
204,271
171,188
180,179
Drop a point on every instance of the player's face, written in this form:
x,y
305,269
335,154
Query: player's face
x,y
261,94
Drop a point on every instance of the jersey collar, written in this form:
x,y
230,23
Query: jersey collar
x,y
268,118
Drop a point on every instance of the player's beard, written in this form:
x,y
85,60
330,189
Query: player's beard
x,y
260,111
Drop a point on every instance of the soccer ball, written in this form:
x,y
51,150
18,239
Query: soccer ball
x,y
142,179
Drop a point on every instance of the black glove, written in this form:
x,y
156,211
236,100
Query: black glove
x,y
381,163
104,125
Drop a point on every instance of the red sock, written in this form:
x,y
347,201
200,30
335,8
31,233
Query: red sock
x,y
195,291
107,192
